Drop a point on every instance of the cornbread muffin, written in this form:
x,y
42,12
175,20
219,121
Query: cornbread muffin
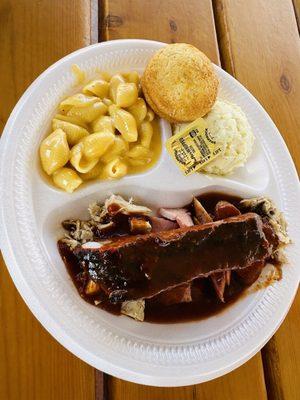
x,y
231,130
179,83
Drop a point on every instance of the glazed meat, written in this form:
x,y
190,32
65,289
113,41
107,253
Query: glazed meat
x,y
138,267
175,264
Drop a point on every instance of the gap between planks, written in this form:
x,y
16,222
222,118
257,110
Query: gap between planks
x,y
296,4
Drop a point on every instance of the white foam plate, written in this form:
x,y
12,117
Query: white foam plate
x,y
31,212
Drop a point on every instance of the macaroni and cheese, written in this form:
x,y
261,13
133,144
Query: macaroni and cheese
x,y
106,131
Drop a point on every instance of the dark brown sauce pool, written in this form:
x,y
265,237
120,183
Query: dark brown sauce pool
x,y
209,200
205,302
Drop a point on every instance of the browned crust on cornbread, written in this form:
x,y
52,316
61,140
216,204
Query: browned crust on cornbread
x,y
179,83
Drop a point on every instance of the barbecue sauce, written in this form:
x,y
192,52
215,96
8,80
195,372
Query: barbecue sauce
x,y
205,302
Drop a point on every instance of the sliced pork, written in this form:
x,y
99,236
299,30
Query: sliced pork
x,y
250,275
180,215
219,282
201,215
219,279
162,224
224,209
176,295
228,277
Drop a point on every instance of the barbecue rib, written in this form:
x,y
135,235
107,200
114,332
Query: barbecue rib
x,y
136,267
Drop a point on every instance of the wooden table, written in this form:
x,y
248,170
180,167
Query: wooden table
x,y
257,42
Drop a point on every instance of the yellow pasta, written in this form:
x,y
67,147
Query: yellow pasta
x,y
79,162
139,151
78,73
77,100
54,151
107,101
119,148
96,144
126,94
124,123
97,87
104,75
105,131
145,134
66,179
150,115
74,132
139,155
132,77
113,85
72,120
137,162
103,124
115,169
93,173
138,110
89,113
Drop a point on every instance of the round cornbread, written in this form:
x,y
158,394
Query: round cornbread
x,y
179,83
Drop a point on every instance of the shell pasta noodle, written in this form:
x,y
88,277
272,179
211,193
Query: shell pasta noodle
x,y
124,122
139,110
54,151
115,169
74,132
146,133
104,131
66,179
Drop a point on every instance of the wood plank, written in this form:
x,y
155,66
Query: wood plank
x,y
237,384
32,364
170,21
281,358
123,390
270,70
191,22
246,383
34,34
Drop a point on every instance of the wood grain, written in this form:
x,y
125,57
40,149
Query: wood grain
x,y
245,383
168,21
263,53
33,35
192,22
33,366
282,358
